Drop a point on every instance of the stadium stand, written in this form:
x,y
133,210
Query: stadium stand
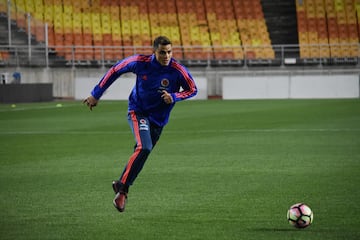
x,y
203,30
3,56
328,28
253,30
204,25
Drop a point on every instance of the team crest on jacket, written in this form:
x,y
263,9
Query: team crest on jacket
x,y
165,82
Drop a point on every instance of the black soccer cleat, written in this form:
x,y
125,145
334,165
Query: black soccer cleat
x,y
118,187
115,187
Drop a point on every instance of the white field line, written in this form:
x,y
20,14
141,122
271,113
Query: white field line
x,y
280,130
26,108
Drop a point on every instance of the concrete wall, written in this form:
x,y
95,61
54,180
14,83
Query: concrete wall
x,y
76,83
61,78
309,86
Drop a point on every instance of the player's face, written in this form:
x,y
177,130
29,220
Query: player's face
x,y
163,54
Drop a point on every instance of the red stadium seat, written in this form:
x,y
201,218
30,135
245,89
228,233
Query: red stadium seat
x,y
329,22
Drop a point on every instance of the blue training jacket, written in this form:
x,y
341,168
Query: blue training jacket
x,y
151,79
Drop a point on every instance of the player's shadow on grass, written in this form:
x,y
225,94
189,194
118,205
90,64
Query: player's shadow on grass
x,y
276,229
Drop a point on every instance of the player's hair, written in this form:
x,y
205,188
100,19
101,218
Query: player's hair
x,y
161,40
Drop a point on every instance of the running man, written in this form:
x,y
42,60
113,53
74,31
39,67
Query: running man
x,y
161,81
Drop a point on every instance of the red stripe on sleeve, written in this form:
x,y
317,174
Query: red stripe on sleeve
x,y
189,81
121,65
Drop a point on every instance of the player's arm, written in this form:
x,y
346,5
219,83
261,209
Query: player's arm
x,y
188,85
110,76
99,89
123,66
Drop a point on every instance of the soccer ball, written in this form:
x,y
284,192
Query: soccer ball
x,y
300,215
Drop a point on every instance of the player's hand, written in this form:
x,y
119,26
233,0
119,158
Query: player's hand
x,y
91,102
167,97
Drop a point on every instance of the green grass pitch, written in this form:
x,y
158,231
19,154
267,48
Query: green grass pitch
x,y
222,170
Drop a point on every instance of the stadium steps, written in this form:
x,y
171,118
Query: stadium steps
x,y
280,18
3,31
20,38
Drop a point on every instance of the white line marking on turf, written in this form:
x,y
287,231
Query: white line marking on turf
x,y
290,130
26,108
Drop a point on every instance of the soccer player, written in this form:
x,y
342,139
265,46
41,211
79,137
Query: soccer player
x,y
161,81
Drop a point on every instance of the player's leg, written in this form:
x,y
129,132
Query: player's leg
x,y
142,132
155,134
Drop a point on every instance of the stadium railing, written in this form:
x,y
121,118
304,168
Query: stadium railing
x,y
97,56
